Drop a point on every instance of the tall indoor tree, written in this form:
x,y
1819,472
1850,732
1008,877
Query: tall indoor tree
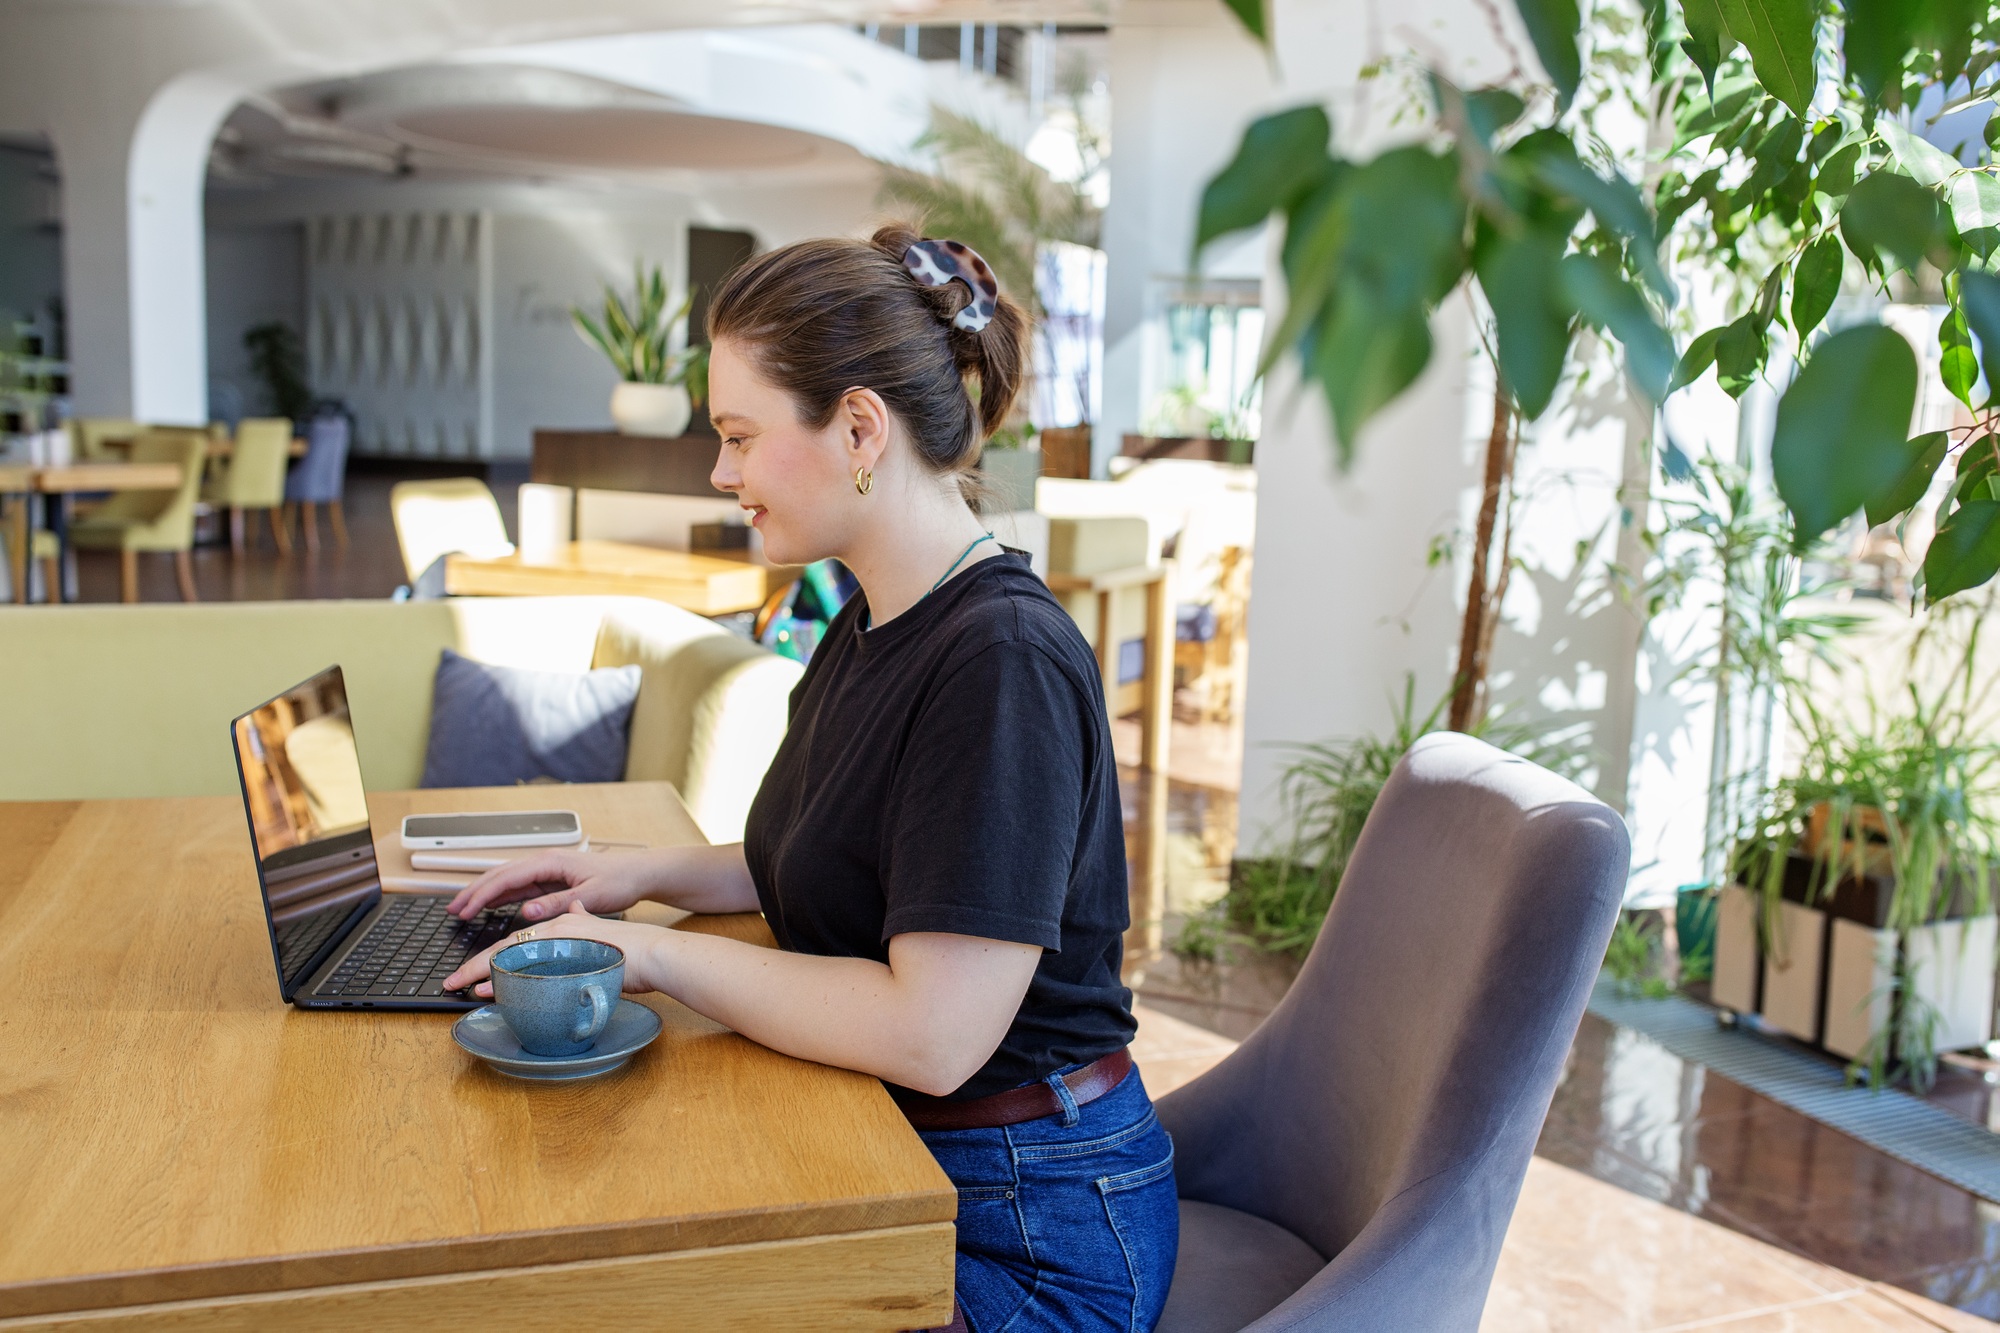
x,y
1788,168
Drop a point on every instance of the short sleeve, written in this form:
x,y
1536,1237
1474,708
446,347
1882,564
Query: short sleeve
x,y
987,803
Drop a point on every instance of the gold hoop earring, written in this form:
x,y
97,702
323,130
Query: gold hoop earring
x,y
864,481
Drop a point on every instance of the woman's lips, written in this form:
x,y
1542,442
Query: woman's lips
x,y
757,513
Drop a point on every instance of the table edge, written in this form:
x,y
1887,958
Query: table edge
x,y
390,1263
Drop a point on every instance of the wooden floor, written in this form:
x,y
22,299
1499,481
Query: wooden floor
x,y
369,567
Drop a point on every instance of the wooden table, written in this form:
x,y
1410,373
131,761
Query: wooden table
x,y
180,1149
699,583
62,482
1156,686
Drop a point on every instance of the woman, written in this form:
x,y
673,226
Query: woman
x,y
938,846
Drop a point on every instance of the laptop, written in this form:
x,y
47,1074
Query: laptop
x,y
339,941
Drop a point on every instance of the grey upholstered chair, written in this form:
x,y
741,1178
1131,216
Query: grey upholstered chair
x,y
1353,1165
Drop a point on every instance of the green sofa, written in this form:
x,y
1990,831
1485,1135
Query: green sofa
x,y
117,701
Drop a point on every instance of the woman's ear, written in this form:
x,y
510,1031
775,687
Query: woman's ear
x,y
864,419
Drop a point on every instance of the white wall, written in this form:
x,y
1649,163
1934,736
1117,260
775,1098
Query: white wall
x,y
1345,604
256,275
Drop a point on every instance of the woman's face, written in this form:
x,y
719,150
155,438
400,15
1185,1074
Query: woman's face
x,y
796,483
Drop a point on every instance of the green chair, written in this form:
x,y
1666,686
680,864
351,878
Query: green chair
x,y
91,437
134,521
253,477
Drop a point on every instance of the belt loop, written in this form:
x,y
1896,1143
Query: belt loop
x,y
1070,1115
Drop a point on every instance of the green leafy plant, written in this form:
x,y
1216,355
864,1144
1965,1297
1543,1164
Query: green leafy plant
x,y
1788,169
279,362
1631,959
1278,903
1914,793
638,338
987,193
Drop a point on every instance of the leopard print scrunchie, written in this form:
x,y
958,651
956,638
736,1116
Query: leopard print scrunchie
x,y
935,263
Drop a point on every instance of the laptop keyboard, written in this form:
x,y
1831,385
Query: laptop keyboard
x,y
299,940
412,947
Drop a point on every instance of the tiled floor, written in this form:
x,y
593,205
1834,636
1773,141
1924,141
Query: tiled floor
x,y
1586,1256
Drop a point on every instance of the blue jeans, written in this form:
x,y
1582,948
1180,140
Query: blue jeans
x,y
1069,1222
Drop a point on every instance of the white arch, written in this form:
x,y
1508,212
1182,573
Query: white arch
x,y
166,174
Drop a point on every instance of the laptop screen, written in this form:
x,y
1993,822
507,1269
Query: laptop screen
x,y
308,818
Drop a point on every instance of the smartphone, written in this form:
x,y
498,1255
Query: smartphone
x,y
499,828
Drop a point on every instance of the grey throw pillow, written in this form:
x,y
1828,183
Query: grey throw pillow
x,y
494,726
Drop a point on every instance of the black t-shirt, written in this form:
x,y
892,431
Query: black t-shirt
x,y
952,771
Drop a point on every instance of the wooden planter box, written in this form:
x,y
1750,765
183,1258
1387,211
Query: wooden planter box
x,y
1826,976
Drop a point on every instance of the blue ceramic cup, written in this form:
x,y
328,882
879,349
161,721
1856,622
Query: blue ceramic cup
x,y
557,994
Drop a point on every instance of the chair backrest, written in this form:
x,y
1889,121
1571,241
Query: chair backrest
x,y
322,474
1387,1109
88,435
170,513
437,518
255,477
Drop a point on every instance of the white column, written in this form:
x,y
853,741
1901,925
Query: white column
x,y
91,156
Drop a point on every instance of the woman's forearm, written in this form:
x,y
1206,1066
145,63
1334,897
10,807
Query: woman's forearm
x,y
704,879
928,1020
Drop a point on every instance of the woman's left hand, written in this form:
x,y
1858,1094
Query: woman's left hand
x,y
635,940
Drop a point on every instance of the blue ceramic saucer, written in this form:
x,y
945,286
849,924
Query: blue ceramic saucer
x,y
484,1033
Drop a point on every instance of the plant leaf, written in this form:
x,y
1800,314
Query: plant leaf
x,y
1887,212
1923,455
1612,200
1779,37
1282,158
1974,199
1836,175
1876,38
1552,26
1952,23
1957,365
1925,162
1979,301
1694,362
1363,357
1708,37
1965,552
1531,325
1842,426
1603,297
1250,13
1739,354
1776,153
1815,283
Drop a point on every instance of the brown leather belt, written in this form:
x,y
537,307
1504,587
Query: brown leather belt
x,y
1031,1102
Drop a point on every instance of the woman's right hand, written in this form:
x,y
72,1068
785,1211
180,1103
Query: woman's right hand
x,y
604,882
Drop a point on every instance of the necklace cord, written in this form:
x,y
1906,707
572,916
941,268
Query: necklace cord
x,y
983,537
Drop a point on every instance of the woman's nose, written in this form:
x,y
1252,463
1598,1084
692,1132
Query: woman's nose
x,y
725,477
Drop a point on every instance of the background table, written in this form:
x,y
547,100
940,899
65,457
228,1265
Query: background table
x,y
180,1149
58,483
699,583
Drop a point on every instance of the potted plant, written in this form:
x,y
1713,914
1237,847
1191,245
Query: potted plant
x,y
659,386
1861,917
1011,464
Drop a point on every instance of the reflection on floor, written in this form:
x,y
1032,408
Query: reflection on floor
x,y
1662,1196
1582,1254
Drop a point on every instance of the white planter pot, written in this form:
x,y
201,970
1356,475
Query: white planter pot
x,y
651,409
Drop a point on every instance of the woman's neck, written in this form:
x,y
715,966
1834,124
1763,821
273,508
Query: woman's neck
x,y
923,527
